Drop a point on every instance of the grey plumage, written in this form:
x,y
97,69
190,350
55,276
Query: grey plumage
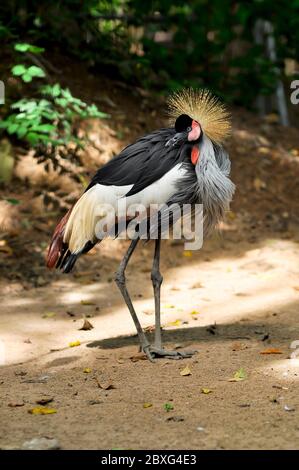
x,y
208,185
214,188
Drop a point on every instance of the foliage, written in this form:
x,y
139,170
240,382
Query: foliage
x,y
158,44
51,120
161,44
47,122
27,73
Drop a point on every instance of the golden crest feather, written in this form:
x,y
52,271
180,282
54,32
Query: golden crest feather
x,y
205,108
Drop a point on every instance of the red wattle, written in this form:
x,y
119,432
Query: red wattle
x,y
194,154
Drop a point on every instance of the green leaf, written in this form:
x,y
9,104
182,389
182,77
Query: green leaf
x,y
18,70
36,49
12,128
35,71
26,78
22,130
22,47
44,128
4,124
239,375
56,89
168,407
33,137
61,102
13,201
25,47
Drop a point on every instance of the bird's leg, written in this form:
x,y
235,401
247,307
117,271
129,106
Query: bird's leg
x,y
157,279
121,283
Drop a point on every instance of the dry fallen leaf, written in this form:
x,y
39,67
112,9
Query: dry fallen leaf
x,y
187,254
73,344
174,323
42,411
186,371
263,150
147,405
149,329
271,351
238,346
272,118
44,400
138,357
238,376
105,386
15,404
86,325
148,312
87,370
4,248
206,391
197,285
231,215
49,315
87,302
82,274
258,184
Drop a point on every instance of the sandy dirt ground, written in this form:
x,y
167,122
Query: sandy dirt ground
x,y
235,302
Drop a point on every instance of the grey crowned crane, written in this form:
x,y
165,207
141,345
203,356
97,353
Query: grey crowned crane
x,y
182,164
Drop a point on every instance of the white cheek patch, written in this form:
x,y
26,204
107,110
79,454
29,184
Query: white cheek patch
x,y
194,134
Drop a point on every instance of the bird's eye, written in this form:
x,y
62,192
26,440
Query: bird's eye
x,y
189,129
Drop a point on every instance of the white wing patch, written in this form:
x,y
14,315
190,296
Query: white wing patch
x,y
99,200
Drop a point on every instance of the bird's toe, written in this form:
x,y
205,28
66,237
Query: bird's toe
x,y
170,354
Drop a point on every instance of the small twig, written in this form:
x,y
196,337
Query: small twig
x,y
44,64
50,66
237,337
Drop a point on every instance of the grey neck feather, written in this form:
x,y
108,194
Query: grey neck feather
x,y
214,188
208,185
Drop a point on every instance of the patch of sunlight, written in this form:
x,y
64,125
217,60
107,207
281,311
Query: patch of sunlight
x,y
236,289
284,369
21,301
89,292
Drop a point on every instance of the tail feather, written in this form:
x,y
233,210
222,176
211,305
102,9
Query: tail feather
x,y
75,233
57,247
68,259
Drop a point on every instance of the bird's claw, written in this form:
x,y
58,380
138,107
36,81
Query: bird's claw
x,y
147,350
168,354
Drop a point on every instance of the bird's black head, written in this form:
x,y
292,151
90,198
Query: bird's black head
x,y
187,130
183,123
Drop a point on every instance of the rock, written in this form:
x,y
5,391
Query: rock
x,y
41,443
40,281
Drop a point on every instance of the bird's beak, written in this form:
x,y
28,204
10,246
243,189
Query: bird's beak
x,y
178,138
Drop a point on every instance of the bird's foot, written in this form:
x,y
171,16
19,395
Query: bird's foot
x,y
147,350
168,354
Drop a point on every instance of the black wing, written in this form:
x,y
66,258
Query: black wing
x,y
142,163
